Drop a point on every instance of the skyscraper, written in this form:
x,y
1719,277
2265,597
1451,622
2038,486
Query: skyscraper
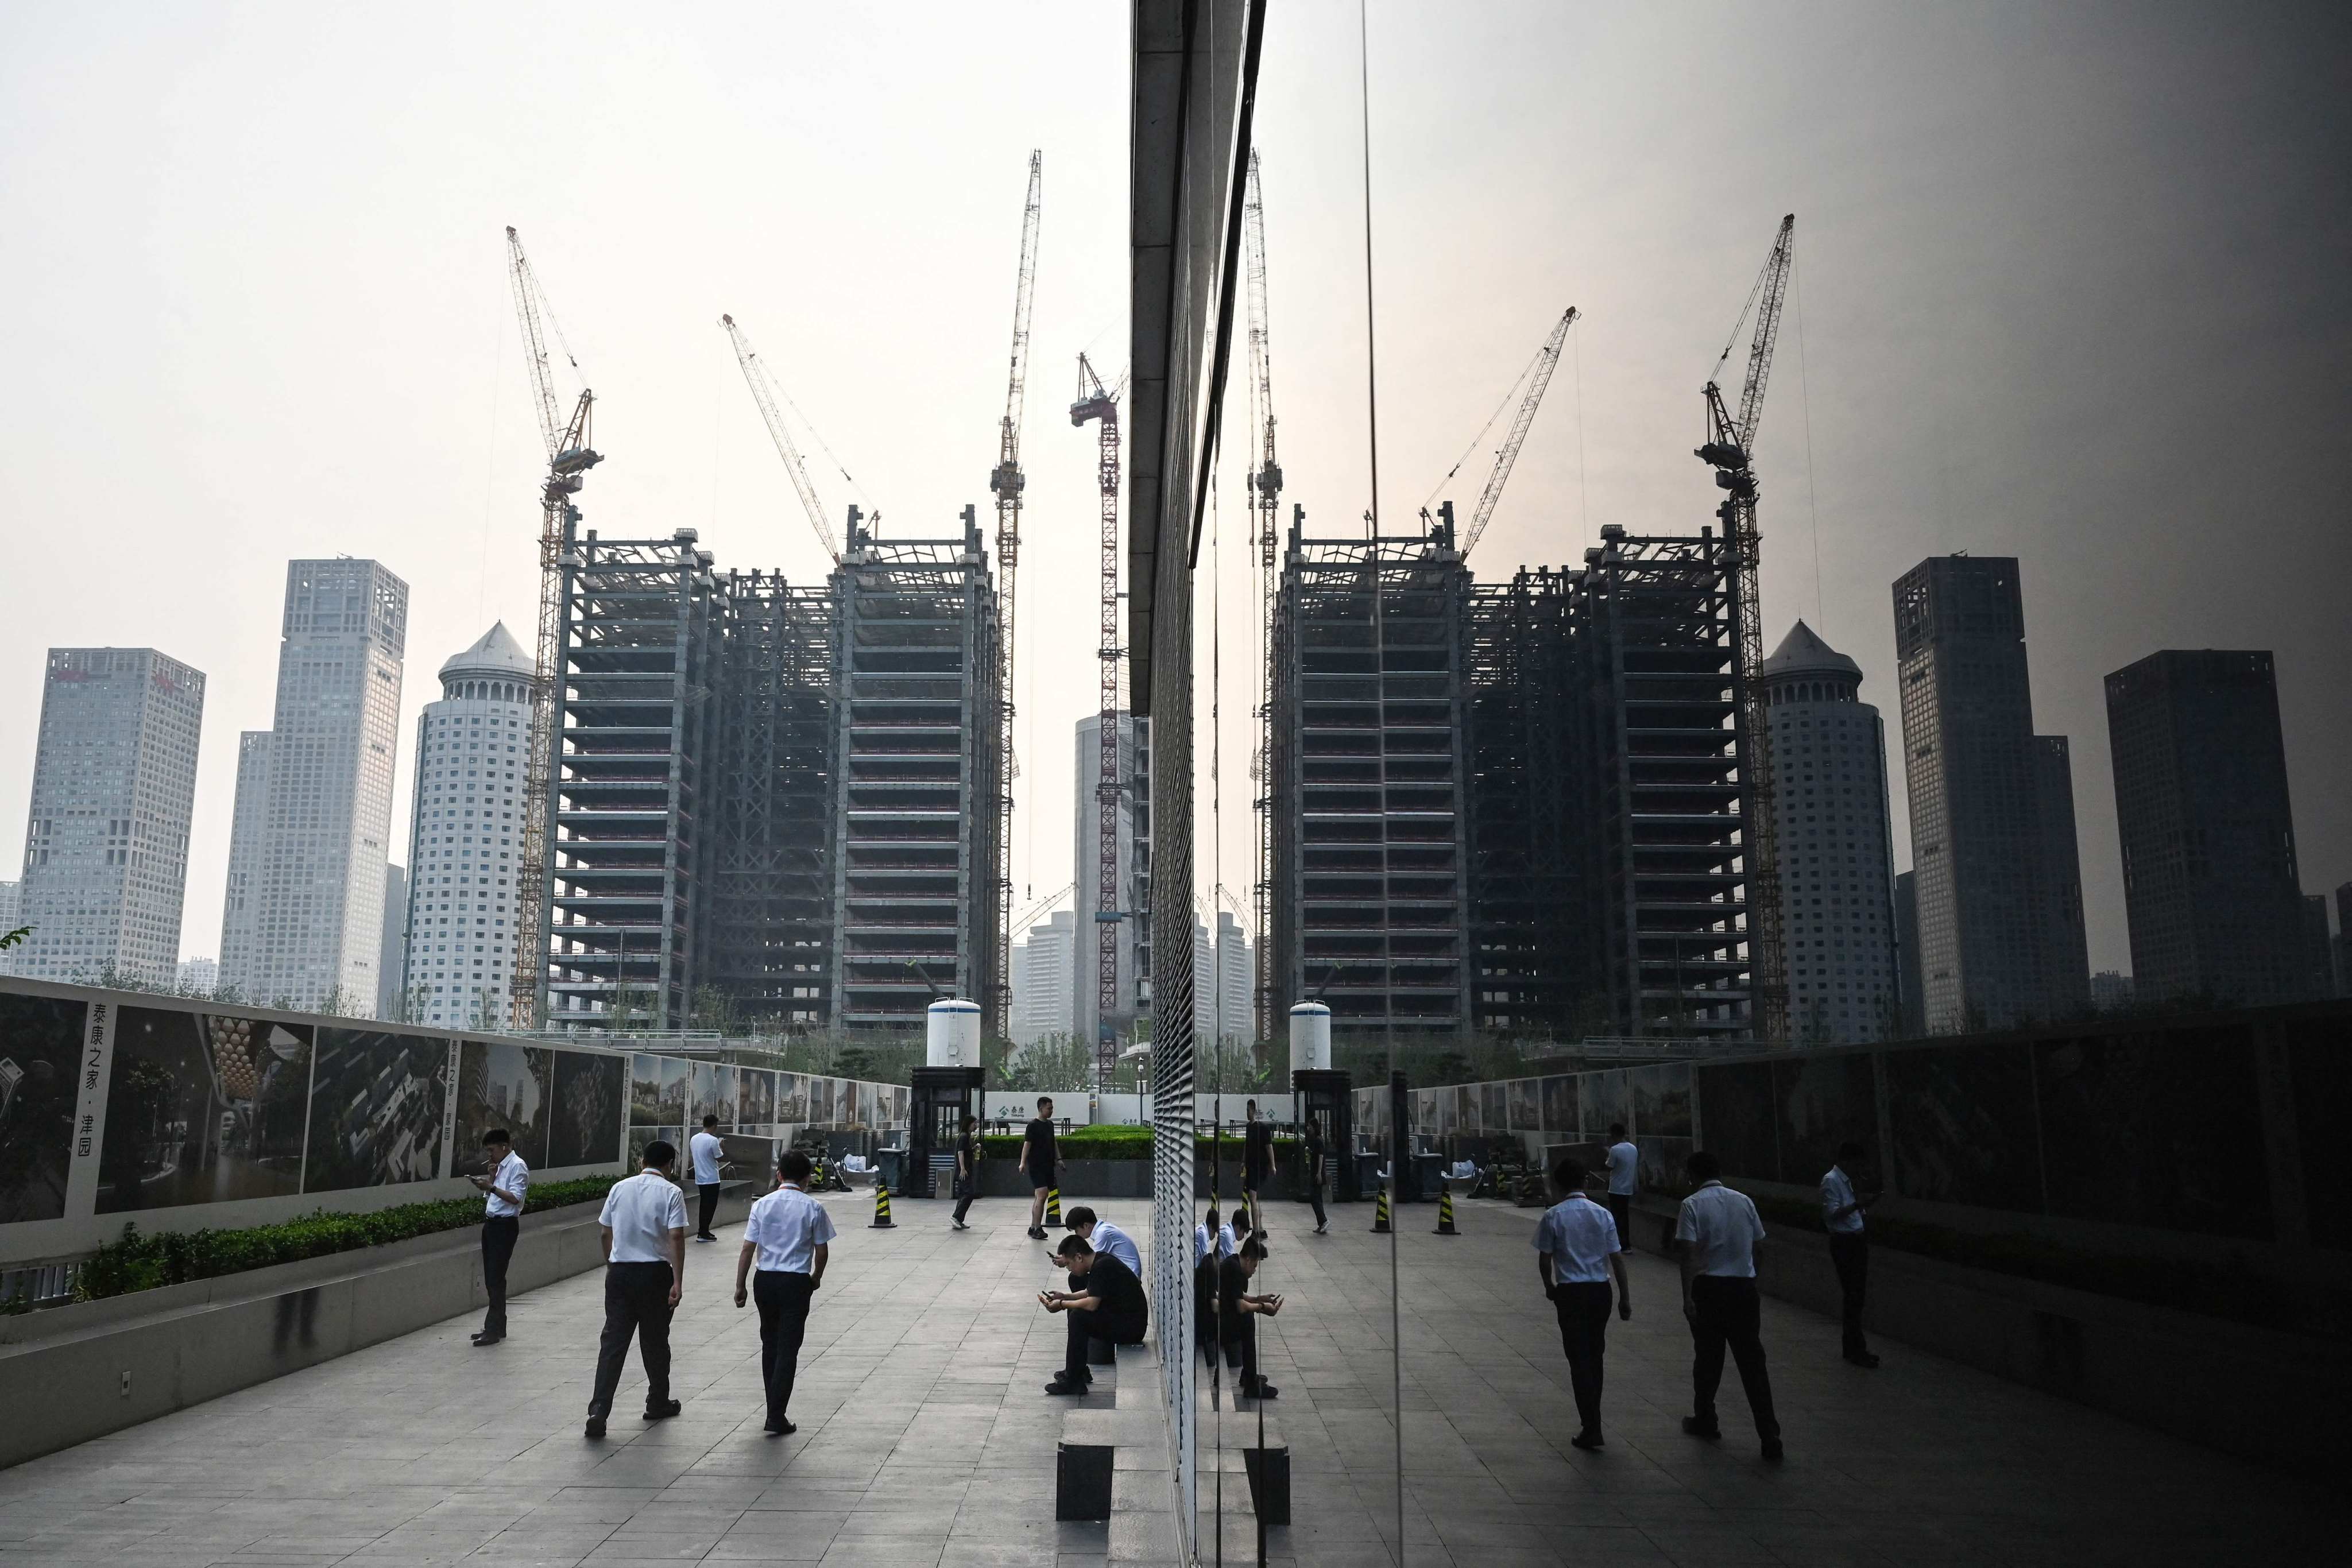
x,y
199,976
392,958
318,864
2209,878
2318,948
12,906
1044,968
2064,941
240,947
106,842
459,943
1236,975
1133,825
1907,955
1829,759
1990,874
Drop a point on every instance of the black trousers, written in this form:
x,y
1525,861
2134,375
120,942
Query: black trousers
x,y
783,1302
1621,1210
1583,1306
636,1302
710,1191
1850,1251
966,1188
498,1238
1110,1327
1726,1313
1314,1191
1241,1345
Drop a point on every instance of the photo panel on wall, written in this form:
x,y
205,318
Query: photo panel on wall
x,y
502,1085
40,1069
589,1090
376,1103
202,1108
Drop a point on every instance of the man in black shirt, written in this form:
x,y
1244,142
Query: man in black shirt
x,y
1238,1312
1313,1154
1105,1302
1040,1158
1257,1163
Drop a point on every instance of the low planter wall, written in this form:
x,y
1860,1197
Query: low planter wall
x,y
99,1366
2264,1395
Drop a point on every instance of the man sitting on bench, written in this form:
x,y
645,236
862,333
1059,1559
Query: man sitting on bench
x,y
1105,1302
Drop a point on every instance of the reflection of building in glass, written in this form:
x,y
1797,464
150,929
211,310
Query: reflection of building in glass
x,y
1044,968
106,842
1131,831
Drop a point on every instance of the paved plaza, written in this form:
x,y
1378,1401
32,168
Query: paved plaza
x,y
926,1441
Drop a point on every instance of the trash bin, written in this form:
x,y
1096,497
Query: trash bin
x,y
893,1165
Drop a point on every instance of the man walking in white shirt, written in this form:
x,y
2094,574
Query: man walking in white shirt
x,y
1624,1168
1577,1251
644,1274
788,1235
506,1185
1842,1211
707,1154
1716,1236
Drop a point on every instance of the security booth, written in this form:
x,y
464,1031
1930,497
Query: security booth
x,y
1324,1096
947,1092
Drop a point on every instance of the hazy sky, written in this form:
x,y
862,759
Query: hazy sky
x,y
2072,285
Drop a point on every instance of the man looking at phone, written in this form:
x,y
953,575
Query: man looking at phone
x,y
508,1183
1105,1302
1238,1312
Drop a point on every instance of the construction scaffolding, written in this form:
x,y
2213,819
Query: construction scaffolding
x,y
917,804
1661,686
1371,903
624,813
768,850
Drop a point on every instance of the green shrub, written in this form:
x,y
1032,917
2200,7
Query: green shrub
x,y
1109,1143
143,1262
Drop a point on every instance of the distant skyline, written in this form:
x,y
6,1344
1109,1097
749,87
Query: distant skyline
x,y
2069,287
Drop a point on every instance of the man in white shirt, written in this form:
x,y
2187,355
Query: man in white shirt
x,y
506,1185
1625,1167
644,1274
1842,1211
1577,1251
1105,1237
1716,1236
788,1235
709,1156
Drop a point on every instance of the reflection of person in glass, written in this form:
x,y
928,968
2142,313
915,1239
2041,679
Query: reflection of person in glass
x,y
1238,1312
506,1183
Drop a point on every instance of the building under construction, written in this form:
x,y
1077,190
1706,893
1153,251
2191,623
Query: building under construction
x,y
773,804
1527,813
1370,907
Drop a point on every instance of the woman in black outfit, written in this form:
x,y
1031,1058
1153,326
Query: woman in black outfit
x,y
969,1153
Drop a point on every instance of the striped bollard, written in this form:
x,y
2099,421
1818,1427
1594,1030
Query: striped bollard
x,y
881,1206
1381,1212
1445,1212
1052,1206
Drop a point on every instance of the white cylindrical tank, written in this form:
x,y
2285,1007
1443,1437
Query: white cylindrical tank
x,y
1310,1038
951,1034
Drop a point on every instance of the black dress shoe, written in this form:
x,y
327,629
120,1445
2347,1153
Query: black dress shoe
x,y
1588,1441
1861,1358
1261,1389
1772,1449
1692,1424
780,1428
1062,1386
596,1428
663,1411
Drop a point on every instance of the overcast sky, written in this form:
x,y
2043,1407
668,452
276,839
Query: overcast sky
x,y
2072,285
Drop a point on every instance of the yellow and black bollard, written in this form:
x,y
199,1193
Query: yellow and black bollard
x,y
1052,1206
881,1206
1445,1212
1381,1212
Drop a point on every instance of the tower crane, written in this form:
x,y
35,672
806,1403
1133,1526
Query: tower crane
x,y
1266,502
1096,403
1537,377
569,458
1730,451
764,394
1007,482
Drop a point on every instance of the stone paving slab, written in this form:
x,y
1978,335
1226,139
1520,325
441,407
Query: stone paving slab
x,y
926,1441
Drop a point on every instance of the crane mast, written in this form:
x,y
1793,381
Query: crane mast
x,y
763,392
1547,361
1266,502
1730,451
1006,482
569,458
1095,403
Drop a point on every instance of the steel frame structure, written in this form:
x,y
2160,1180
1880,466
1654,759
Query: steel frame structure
x,y
919,845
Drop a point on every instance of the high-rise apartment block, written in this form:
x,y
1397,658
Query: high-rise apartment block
x,y
1829,762
1131,829
1235,974
1907,951
105,843
1045,968
199,976
392,958
2064,940
1993,864
317,861
12,906
2210,876
2111,990
458,931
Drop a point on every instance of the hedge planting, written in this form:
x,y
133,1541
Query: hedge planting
x,y
145,1262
